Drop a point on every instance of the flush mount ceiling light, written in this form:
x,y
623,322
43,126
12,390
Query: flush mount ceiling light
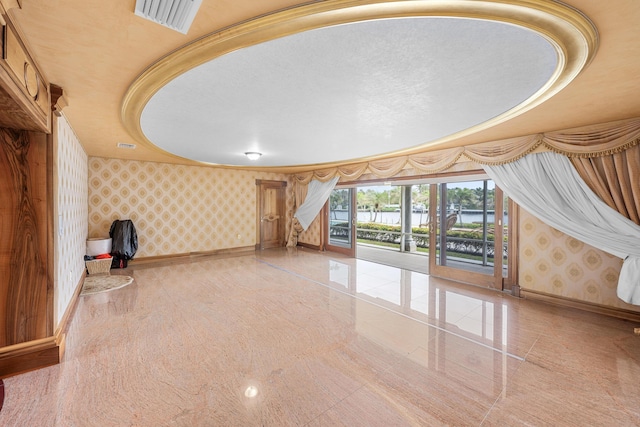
x,y
253,155
175,14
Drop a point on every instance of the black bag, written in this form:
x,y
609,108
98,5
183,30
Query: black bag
x,y
118,263
124,242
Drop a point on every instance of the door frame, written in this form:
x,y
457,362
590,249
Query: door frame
x,y
349,251
494,281
513,245
261,186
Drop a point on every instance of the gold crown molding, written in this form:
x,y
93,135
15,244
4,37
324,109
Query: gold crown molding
x,y
10,4
570,32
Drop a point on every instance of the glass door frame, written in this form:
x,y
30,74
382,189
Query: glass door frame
x,y
349,250
494,281
513,244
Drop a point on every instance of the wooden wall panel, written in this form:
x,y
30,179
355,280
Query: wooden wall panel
x,y
24,287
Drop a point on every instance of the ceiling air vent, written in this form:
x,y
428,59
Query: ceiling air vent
x,y
126,146
175,14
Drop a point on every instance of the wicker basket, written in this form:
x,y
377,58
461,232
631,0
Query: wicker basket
x,y
99,266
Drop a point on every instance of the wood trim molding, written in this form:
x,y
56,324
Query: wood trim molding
x,y
464,276
31,355
241,250
50,236
58,100
272,183
63,326
561,301
24,357
310,246
10,4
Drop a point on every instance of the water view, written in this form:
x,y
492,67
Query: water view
x,y
393,218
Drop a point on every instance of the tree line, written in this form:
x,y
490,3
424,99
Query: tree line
x,y
467,198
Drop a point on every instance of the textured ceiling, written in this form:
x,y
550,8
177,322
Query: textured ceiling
x,y
96,51
348,92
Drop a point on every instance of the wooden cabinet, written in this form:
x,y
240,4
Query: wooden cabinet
x,y
27,338
25,100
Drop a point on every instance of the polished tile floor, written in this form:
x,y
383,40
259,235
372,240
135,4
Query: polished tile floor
x,y
296,337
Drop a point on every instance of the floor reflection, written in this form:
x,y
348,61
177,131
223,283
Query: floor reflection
x,y
444,330
424,299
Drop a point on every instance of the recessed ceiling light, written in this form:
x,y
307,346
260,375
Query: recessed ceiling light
x,y
253,155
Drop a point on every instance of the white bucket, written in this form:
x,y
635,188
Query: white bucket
x,y
98,246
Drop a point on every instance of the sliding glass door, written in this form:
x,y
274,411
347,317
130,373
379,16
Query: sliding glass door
x,y
463,228
341,211
468,236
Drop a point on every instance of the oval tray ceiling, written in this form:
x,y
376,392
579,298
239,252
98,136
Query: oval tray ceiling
x,y
365,88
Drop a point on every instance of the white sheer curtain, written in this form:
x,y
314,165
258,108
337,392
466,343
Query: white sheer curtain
x,y
548,186
317,195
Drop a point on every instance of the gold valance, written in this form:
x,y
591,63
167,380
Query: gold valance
x,y
436,161
590,141
504,151
596,140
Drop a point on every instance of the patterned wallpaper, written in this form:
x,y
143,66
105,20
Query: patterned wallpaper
x,y
554,263
311,235
176,209
70,193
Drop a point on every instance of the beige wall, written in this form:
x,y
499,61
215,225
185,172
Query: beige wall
x,y
71,215
176,209
556,264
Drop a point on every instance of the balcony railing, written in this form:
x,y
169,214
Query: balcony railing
x,y
470,245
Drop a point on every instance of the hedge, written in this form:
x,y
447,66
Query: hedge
x,y
465,242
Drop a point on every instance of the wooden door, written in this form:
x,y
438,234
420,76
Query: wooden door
x,y
271,214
